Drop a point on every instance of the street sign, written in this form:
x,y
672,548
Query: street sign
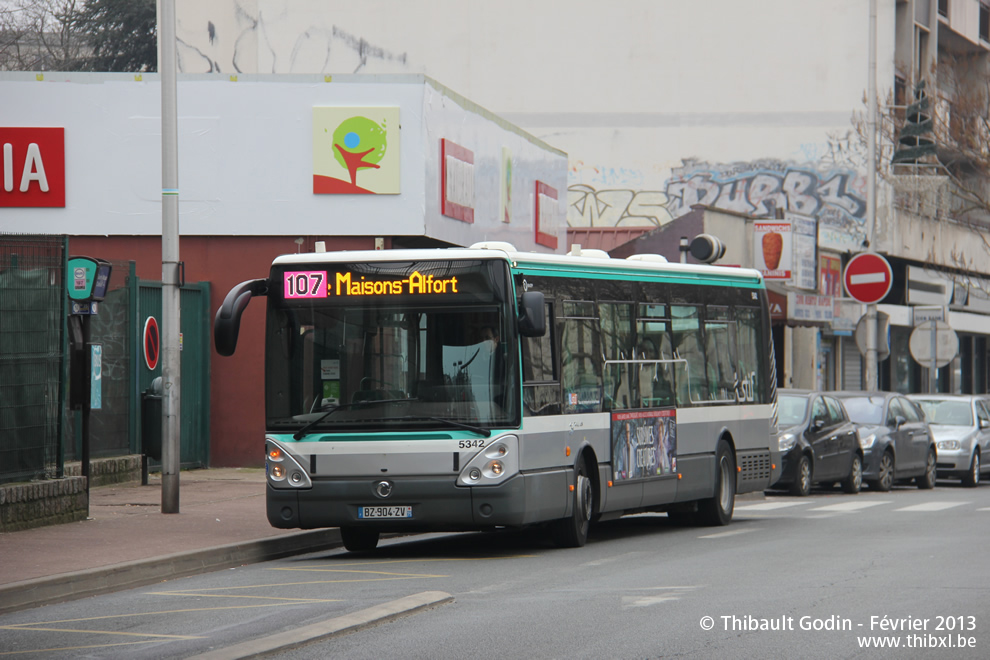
x,y
152,343
883,336
945,344
923,315
868,277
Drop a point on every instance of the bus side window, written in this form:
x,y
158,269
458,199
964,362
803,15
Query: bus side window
x,y
541,383
748,354
720,348
580,364
616,320
654,355
692,382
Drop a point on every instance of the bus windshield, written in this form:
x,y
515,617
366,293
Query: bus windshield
x,y
383,357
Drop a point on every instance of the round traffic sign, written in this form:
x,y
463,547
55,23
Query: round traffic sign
x,y
868,277
152,343
945,344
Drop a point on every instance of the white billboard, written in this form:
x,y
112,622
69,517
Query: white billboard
x,y
282,155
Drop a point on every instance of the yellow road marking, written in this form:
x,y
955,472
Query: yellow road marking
x,y
74,648
27,626
100,632
205,595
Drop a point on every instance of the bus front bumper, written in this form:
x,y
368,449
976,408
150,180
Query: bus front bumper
x,y
437,503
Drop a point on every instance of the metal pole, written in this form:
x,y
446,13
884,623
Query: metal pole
x,y
871,198
933,367
87,338
170,260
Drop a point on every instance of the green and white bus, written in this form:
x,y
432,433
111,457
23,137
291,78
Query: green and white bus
x,y
477,388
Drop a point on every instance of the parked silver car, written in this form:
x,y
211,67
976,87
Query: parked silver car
x,y
961,426
896,439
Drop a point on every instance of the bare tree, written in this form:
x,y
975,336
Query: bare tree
x,y
953,182
78,35
41,35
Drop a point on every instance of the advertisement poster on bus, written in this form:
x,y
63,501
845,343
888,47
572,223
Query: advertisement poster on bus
x,y
644,444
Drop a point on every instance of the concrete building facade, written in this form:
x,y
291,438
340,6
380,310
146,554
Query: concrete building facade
x,y
745,107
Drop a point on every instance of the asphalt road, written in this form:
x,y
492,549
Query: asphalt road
x,y
814,577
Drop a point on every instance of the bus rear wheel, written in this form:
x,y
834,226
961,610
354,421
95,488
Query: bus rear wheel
x,y
716,511
359,539
572,532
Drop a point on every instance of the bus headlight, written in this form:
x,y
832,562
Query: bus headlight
x,y
493,464
283,469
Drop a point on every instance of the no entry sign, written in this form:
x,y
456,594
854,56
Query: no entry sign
x,y
152,343
868,277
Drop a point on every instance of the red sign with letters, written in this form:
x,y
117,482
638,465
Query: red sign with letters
x,y
32,166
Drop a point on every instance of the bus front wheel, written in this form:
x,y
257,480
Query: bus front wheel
x,y
717,510
572,532
359,539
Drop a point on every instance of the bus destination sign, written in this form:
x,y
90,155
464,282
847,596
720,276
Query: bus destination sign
x,y
317,284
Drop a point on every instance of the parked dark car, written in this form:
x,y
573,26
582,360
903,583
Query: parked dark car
x,y
818,443
961,426
897,442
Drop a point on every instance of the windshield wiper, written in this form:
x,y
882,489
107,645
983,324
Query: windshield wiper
x,y
301,433
470,427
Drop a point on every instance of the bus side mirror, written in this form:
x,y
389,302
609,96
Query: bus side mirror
x,y
227,323
532,319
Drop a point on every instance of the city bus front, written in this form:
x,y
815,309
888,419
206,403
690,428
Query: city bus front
x,y
392,392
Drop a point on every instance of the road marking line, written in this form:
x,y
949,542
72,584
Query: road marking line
x,y
932,506
36,627
734,532
200,594
325,629
612,558
76,648
851,506
646,601
341,570
186,610
770,506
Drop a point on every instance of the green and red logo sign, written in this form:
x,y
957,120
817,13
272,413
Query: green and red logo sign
x,y
356,151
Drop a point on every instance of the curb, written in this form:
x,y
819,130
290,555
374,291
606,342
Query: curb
x,y
117,577
316,632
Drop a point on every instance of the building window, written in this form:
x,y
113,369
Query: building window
x,y
943,8
984,22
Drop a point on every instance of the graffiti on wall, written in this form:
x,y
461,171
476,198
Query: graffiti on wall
x,y
588,207
835,196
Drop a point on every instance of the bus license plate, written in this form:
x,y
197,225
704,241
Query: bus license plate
x,y
365,512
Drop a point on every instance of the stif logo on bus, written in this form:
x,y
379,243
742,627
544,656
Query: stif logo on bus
x,y
355,151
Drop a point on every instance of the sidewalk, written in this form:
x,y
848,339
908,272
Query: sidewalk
x,y
127,541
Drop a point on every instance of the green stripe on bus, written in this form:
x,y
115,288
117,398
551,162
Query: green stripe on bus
x,y
638,275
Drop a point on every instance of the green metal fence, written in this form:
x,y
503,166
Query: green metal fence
x,y
32,352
